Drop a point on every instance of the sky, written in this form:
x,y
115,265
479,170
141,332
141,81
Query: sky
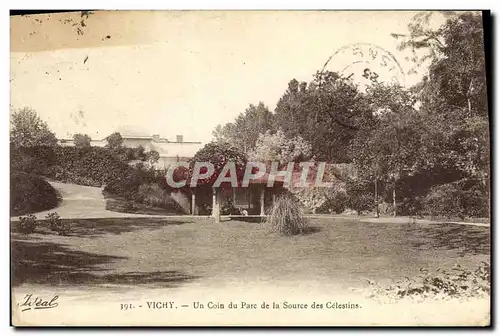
x,y
169,73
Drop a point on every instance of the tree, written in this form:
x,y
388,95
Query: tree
x,y
389,149
28,130
81,140
327,113
139,153
152,157
358,195
115,141
218,154
277,147
455,54
244,131
453,98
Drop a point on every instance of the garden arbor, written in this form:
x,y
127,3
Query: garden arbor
x,y
254,198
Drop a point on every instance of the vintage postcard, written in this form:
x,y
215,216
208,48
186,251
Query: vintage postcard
x,y
250,168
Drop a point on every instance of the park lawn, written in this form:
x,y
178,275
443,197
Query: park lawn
x,y
170,252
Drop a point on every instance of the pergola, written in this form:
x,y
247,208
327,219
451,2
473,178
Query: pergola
x,y
260,183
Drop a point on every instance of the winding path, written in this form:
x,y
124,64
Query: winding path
x,y
82,202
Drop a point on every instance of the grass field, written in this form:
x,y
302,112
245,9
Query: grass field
x,y
160,252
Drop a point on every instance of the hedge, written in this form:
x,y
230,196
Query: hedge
x,y
29,193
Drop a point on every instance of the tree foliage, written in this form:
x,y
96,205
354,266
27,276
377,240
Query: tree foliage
x,y
218,154
277,147
81,140
327,113
455,54
28,130
244,131
152,156
115,141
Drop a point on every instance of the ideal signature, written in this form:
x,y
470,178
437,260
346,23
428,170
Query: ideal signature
x,y
36,302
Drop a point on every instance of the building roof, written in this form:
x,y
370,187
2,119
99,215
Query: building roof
x,y
173,149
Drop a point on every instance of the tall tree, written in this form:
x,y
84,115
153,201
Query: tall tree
x,y
244,131
28,130
327,113
454,94
454,53
277,147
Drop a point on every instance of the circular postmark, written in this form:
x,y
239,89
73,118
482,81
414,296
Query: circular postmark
x,y
366,64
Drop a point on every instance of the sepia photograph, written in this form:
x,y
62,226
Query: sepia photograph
x,y
250,168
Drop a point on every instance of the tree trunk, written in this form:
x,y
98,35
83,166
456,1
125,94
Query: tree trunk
x,y
394,199
262,198
376,199
215,205
193,203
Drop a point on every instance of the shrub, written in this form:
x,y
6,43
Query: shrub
x,y
27,224
442,284
29,193
460,198
310,199
336,203
93,166
285,217
321,200
54,220
130,206
56,224
228,208
154,195
359,196
32,160
205,209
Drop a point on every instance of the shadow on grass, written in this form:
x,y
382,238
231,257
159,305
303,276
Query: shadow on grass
x,y
54,264
465,239
244,219
102,226
311,230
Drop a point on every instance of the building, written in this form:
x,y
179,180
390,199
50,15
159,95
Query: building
x,y
170,151
257,198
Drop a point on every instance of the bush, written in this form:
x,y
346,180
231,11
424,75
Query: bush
x,y
336,203
27,224
457,199
54,220
359,196
286,217
228,208
130,206
311,199
56,224
32,160
29,193
442,284
154,195
205,209
94,166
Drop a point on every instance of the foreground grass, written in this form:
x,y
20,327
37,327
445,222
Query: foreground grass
x,y
170,253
